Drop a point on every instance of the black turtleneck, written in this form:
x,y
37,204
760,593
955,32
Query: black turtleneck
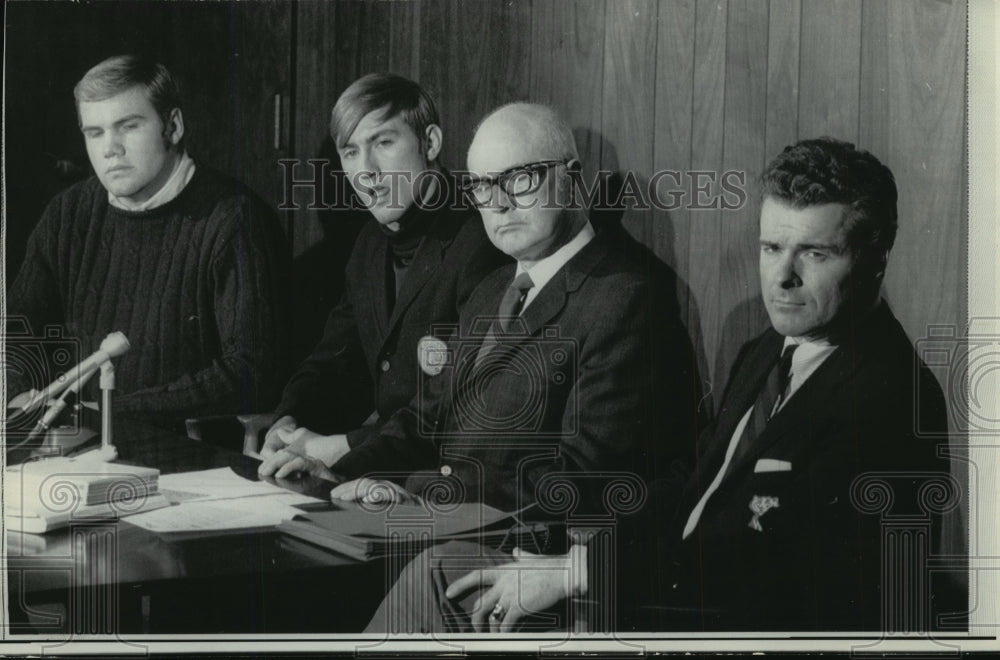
x,y
403,244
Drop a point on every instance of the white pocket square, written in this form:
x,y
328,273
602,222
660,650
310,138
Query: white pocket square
x,y
772,465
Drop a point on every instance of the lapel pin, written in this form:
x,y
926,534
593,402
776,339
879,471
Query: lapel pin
x,y
432,354
761,504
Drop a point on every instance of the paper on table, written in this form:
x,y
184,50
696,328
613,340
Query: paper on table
x,y
217,484
218,500
230,514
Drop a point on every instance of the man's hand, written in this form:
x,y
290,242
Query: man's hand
x,y
531,583
302,451
273,441
373,491
297,446
292,459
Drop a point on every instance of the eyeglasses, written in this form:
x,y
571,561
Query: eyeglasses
x,y
520,180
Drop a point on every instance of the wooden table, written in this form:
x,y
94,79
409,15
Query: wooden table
x,y
103,576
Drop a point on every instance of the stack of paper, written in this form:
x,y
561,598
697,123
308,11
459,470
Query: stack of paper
x,y
48,494
39,521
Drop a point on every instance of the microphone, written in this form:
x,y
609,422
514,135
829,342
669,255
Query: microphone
x,y
67,399
114,344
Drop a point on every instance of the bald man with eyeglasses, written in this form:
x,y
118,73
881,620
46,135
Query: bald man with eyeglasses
x,y
560,373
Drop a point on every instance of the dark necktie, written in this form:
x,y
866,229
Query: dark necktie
x,y
510,307
769,397
513,300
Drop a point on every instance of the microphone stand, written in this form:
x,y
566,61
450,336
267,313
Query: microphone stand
x,y
107,451
114,344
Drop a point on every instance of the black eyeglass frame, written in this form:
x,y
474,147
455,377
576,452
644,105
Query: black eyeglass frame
x,y
503,179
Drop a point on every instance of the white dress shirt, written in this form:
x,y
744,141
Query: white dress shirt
x,y
545,269
805,361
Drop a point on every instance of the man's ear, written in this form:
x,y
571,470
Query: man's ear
x,y
881,263
432,142
174,129
573,166
870,269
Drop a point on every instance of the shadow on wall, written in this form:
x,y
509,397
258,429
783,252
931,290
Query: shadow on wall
x,y
672,290
744,322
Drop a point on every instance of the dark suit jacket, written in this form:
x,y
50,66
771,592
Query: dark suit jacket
x,y
816,562
367,358
584,392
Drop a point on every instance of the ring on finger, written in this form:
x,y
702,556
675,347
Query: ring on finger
x,y
498,612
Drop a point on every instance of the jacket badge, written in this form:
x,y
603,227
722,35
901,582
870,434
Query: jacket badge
x,y
432,354
761,504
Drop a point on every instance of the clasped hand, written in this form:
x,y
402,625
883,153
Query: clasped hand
x,y
531,583
288,449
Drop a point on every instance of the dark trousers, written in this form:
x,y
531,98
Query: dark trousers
x,y
417,602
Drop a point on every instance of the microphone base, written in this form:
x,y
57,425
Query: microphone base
x,y
100,455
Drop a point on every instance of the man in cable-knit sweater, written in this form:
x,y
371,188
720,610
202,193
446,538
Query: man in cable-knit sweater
x,y
185,261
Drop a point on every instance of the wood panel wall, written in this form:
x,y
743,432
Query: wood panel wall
x,y
685,85
648,85
690,85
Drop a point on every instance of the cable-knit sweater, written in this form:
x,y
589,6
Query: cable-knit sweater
x,y
196,285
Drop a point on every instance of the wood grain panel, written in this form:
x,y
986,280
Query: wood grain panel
x,y
474,61
448,55
783,43
543,45
672,137
873,119
707,119
926,92
375,37
577,80
629,96
439,19
348,47
509,52
325,65
926,279
745,123
261,69
829,68
404,44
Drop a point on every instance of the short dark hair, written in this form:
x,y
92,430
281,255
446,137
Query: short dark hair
x,y
830,171
375,91
123,72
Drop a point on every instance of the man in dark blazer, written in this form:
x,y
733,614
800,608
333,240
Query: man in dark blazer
x,y
785,540
559,373
411,269
777,524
